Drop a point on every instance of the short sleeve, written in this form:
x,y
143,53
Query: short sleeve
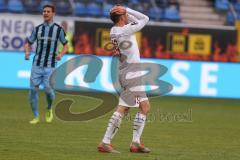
x,y
33,36
62,37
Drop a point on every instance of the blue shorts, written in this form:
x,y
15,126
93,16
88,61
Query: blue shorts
x,y
40,76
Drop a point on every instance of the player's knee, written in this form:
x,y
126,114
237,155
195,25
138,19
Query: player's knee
x,y
33,93
116,119
126,111
121,110
145,107
145,110
48,89
34,89
50,92
116,122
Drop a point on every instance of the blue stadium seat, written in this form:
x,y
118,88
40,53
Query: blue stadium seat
x,y
44,2
230,18
171,13
138,7
112,2
98,1
80,9
155,14
237,6
3,6
222,5
63,7
94,10
233,1
162,3
134,1
15,6
106,9
32,6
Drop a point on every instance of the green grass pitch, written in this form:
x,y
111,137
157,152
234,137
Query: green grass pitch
x,y
179,128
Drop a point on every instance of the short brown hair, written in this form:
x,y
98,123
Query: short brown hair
x,y
49,6
115,17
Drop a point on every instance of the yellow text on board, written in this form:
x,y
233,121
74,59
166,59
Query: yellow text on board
x,y
102,37
199,44
178,43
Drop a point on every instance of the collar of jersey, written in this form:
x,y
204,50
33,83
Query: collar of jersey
x,y
48,24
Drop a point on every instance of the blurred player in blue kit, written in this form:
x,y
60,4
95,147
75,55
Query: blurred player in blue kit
x,y
48,34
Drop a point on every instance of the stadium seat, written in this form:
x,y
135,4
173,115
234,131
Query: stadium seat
x,y
233,1
3,6
106,9
94,10
99,1
134,1
139,8
15,6
109,2
222,5
44,2
155,14
161,3
172,14
230,18
80,9
32,6
237,6
63,7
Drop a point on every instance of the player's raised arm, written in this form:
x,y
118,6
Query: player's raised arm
x,y
131,18
137,19
139,16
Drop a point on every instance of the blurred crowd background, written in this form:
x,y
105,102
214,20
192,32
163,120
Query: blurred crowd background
x,y
202,30
223,11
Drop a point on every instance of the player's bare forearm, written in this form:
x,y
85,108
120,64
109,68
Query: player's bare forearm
x,y
27,49
64,51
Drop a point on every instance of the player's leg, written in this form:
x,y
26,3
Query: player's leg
x,y
139,121
113,126
33,99
138,126
35,81
49,92
50,96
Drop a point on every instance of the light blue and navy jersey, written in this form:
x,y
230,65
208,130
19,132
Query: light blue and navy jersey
x,y
47,36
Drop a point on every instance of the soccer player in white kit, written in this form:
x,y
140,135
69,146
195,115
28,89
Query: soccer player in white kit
x,y
126,23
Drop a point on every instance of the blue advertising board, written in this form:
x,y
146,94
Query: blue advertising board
x,y
198,79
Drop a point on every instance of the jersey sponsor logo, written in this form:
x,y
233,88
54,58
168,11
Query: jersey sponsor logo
x,y
47,38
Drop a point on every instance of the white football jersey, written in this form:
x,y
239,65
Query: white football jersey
x,y
124,38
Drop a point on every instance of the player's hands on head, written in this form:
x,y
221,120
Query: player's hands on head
x,y
118,10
